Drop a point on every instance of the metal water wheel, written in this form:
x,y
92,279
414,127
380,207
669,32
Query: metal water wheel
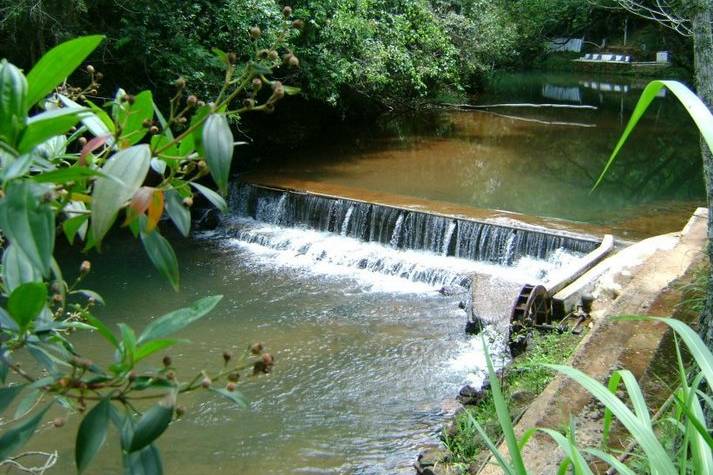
x,y
532,308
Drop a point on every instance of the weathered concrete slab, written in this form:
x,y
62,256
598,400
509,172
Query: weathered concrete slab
x,y
646,288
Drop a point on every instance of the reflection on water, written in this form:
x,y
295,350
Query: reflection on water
x,y
537,161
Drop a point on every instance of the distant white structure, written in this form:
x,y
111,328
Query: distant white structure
x,y
663,57
605,86
559,45
605,58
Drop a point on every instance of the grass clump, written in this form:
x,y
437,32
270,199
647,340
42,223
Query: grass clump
x,y
521,382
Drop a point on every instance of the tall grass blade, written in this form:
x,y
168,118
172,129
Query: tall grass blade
x,y
504,465
503,413
614,380
571,451
658,459
614,462
695,107
636,396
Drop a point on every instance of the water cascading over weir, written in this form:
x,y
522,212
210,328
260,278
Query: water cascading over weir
x,y
481,258
402,228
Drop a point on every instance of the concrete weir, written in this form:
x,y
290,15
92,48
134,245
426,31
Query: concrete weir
x,y
485,239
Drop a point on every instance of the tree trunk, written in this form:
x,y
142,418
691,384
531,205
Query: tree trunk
x,y
703,56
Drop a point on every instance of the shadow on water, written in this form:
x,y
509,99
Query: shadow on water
x,y
514,159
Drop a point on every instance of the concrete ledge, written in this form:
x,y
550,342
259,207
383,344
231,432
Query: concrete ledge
x,y
646,289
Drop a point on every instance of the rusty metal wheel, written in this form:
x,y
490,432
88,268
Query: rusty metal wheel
x,y
533,307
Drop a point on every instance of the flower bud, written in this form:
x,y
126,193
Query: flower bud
x,y
180,411
256,348
255,32
82,141
298,24
263,54
267,359
232,58
202,164
153,130
249,103
293,61
287,11
132,376
170,375
227,356
180,83
57,298
167,361
231,386
188,201
192,100
146,123
58,422
272,55
234,377
99,76
257,83
130,99
85,267
90,69
182,120
206,382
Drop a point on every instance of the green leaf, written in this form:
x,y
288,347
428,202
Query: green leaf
x,y
103,330
147,461
218,148
13,102
151,347
657,457
128,342
161,254
698,111
57,64
140,111
90,294
151,425
28,224
503,413
17,167
17,269
211,196
129,167
292,90
198,121
611,460
26,302
571,452
92,434
233,396
178,213
177,320
43,127
63,175
8,394
13,440
99,123
221,55
72,226
28,402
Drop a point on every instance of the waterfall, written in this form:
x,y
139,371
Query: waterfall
x,y
402,229
438,250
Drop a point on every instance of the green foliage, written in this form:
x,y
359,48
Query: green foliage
x,y
693,452
83,168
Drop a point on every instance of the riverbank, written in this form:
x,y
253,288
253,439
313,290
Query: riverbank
x,y
652,277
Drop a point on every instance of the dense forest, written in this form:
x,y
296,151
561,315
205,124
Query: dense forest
x,y
352,57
